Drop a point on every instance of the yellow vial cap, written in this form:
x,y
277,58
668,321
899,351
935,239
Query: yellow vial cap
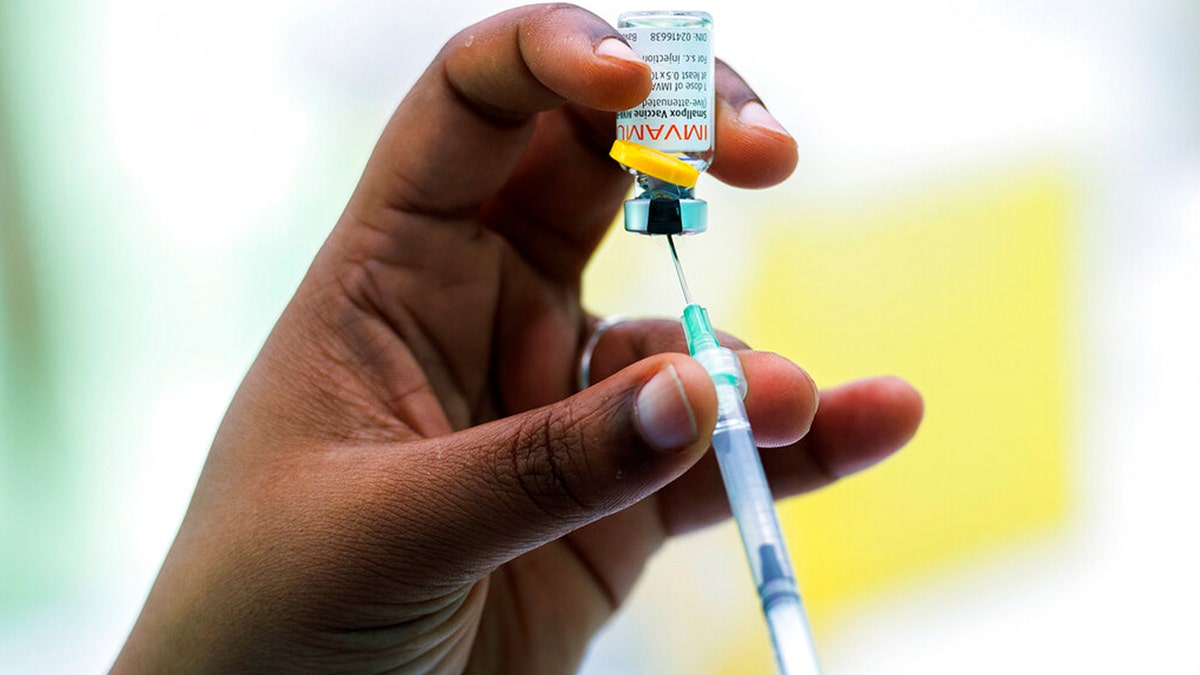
x,y
654,163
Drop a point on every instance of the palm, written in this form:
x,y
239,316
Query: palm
x,y
512,347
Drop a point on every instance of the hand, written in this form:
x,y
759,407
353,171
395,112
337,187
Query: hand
x,y
406,480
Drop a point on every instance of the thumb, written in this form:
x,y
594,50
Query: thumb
x,y
503,488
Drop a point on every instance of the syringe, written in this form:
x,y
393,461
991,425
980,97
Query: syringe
x,y
749,495
667,206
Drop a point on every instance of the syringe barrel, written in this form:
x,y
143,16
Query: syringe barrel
x,y
751,501
750,497
754,510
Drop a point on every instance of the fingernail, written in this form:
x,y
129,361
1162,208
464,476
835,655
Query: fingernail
x,y
616,49
664,414
755,115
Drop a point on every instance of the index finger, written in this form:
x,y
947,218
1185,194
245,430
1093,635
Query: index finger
x,y
456,137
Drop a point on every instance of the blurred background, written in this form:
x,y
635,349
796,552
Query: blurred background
x,y
999,201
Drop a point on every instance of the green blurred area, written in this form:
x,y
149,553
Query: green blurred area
x,y
38,470
126,316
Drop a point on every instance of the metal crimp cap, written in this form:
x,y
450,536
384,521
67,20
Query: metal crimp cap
x,y
672,211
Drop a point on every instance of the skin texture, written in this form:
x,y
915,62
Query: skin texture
x,y
407,480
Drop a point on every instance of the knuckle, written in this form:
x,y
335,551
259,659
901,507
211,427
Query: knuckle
x,y
546,457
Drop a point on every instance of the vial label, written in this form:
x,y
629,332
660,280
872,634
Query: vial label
x,y
678,114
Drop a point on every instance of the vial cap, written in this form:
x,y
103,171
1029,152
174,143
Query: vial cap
x,y
654,163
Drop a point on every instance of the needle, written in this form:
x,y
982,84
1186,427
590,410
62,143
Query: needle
x,y
687,295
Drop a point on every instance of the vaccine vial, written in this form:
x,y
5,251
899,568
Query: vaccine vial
x,y
678,116
677,120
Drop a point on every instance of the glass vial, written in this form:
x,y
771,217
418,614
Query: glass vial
x,y
678,117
